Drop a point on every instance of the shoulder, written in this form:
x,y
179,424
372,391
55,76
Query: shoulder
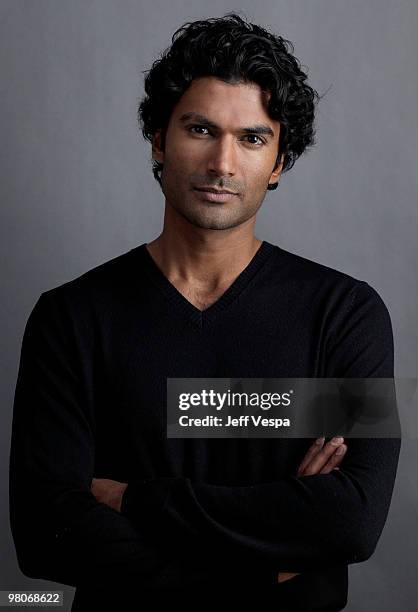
x,y
104,274
331,284
93,291
107,276
302,268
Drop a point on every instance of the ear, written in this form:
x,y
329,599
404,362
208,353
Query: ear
x,y
157,152
275,175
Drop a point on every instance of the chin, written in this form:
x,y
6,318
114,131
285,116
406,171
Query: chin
x,y
215,224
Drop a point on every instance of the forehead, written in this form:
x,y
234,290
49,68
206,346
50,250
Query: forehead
x,y
226,103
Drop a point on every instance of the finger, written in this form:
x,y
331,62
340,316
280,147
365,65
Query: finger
x,y
319,460
96,484
334,460
312,451
326,457
283,576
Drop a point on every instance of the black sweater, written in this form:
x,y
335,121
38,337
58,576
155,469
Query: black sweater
x,y
203,514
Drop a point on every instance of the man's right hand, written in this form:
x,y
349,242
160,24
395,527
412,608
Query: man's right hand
x,y
319,459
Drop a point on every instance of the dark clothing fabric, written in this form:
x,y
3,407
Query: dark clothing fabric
x,y
199,516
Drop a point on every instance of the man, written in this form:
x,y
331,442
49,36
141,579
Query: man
x,y
100,498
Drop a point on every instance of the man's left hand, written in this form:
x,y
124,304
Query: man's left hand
x,y
108,491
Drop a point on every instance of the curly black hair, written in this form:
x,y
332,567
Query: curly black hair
x,y
235,51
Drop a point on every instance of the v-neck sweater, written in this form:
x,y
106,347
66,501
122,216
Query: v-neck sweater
x,y
198,515
198,317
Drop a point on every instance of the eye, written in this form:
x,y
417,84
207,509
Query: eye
x,y
199,127
202,127
261,141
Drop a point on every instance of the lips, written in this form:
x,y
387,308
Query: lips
x,y
214,196
213,190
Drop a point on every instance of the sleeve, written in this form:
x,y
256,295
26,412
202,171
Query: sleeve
x,y
295,523
61,532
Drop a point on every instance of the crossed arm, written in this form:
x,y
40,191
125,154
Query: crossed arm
x,y
321,458
69,536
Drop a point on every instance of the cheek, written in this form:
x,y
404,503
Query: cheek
x,y
264,169
255,167
175,173
255,173
178,159
179,148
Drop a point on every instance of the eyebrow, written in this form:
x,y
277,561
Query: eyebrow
x,y
254,129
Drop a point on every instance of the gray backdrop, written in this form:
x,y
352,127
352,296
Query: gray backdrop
x,y
77,188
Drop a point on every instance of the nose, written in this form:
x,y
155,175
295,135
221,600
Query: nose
x,y
222,157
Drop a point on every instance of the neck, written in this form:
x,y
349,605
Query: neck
x,y
203,258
